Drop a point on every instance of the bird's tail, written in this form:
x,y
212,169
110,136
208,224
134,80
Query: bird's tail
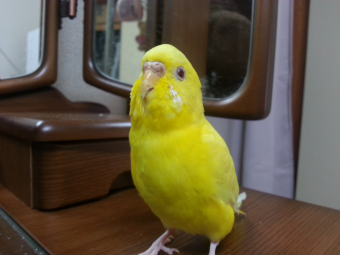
x,y
238,203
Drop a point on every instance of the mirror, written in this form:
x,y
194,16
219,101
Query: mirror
x,y
229,43
27,44
221,59
21,39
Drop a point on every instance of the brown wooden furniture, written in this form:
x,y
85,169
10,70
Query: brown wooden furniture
x,y
55,153
122,224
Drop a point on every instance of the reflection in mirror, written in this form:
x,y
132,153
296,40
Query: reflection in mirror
x,y
117,54
214,35
20,37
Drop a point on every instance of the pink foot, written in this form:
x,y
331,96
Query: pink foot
x,y
159,245
212,248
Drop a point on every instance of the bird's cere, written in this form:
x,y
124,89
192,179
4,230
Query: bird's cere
x,y
175,97
156,67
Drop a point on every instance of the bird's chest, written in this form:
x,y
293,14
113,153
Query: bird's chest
x,y
161,166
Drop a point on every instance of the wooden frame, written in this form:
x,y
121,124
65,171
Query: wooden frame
x,y
252,101
46,74
300,33
90,73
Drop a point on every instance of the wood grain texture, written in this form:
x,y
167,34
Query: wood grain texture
x,y
122,224
66,173
15,166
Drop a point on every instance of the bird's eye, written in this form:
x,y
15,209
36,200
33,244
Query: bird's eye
x,y
180,73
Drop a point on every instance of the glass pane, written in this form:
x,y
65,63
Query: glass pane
x,y
214,35
14,240
20,37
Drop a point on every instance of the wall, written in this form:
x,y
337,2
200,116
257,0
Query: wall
x,y
70,63
319,162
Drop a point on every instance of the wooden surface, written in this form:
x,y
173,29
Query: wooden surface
x,y
122,224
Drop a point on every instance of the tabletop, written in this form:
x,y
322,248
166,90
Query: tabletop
x,y
121,223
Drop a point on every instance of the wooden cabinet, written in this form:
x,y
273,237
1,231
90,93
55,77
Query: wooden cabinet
x,y
56,153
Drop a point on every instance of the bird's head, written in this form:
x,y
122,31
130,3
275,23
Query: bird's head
x,y
168,91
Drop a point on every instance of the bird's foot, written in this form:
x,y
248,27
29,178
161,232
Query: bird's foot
x,y
212,249
169,251
159,245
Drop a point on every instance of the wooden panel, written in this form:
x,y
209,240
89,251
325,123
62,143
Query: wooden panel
x,y
122,224
71,172
186,26
15,167
300,30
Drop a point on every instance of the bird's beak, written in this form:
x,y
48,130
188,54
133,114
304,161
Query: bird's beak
x,y
152,72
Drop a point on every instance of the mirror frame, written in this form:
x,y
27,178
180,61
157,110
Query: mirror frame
x,y
252,101
46,74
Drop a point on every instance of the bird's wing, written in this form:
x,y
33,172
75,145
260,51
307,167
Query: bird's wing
x,y
223,171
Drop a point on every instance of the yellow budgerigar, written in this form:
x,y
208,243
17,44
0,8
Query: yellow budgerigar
x,y
181,166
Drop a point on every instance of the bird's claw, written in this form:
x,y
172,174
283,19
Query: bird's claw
x,y
159,245
169,239
169,251
154,251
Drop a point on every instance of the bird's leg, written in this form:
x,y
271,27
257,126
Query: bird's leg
x,y
159,244
212,248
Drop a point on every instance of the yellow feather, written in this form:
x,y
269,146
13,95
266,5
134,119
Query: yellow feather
x,y
181,166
